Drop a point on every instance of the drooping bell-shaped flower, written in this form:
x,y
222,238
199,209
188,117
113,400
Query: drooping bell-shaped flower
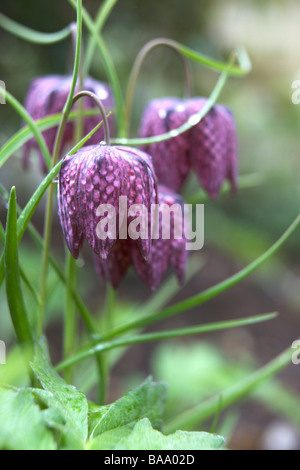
x,y
170,157
168,247
209,147
114,268
47,95
96,188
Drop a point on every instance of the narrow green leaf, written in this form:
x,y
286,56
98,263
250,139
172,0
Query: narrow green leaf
x,y
103,13
163,335
31,123
13,286
30,35
109,66
210,292
22,424
242,69
144,437
25,134
71,403
196,415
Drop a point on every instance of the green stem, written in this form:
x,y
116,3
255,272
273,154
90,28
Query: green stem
x,y
110,69
70,313
57,145
103,357
30,35
195,416
159,336
101,18
132,82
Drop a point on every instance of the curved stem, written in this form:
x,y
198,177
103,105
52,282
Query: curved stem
x,y
48,219
30,35
192,121
84,93
138,65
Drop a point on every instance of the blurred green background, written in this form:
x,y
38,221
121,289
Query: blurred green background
x,y
237,229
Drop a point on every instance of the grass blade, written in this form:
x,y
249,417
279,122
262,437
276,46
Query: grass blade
x,y
208,293
234,394
13,285
163,335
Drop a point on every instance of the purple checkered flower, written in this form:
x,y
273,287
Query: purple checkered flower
x,y
209,147
165,252
47,95
97,177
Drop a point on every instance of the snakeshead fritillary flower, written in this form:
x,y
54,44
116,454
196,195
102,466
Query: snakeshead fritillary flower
x,y
165,252
47,95
95,177
209,147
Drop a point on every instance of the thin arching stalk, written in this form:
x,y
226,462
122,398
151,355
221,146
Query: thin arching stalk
x,y
132,82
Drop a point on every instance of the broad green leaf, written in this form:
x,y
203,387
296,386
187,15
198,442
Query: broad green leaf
x,y
71,403
22,424
144,437
148,400
110,439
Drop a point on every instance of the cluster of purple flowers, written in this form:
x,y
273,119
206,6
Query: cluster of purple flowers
x,y
101,174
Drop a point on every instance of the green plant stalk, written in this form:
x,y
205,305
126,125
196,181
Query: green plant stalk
x,y
103,14
13,286
104,359
110,69
31,123
136,69
208,293
57,146
197,415
70,329
159,336
30,35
